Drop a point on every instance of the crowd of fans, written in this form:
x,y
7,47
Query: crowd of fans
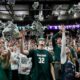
x,y
15,65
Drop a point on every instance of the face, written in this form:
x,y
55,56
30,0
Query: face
x,y
78,50
59,40
1,43
5,51
14,49
1,49
17,44
42,42
32,42
67,50
50,43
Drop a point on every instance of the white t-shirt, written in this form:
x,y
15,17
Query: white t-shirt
x,y
24,63
14,57
49,48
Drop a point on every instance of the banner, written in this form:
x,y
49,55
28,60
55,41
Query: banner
x,y
57,27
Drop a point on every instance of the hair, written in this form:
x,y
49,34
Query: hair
x,y
59,37
69,56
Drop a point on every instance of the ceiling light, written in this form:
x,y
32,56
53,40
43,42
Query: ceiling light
x,y
79,3
62,17
62,12
59,18
56,13
20,13
75,15
4,12
4,17
21,19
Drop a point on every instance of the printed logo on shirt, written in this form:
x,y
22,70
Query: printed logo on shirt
x,y
41,58
24,60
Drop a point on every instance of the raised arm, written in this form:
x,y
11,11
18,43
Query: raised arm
x,y
22,43
52,72
63,51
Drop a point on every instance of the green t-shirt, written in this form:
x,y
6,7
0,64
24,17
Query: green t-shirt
x,y
2,74
41,60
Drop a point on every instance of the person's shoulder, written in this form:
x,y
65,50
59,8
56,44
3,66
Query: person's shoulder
x,y
46,51
21,55
32,50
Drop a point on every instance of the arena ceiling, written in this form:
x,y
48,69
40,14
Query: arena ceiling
x,y
46,11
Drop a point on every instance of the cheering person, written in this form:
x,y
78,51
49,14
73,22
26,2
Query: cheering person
x,y
42,67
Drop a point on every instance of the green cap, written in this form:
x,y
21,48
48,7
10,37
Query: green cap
x,y
41,38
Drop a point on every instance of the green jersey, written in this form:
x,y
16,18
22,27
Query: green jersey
x,y
41,60
2,73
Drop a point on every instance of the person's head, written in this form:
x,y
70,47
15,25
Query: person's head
x,y
33,42
68,54
50,42
59,39
14,48
17,44
1,50
67,50
78,50
41,41
4,53
1,42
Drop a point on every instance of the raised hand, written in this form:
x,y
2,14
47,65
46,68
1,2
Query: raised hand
x,y
62,28
22,34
